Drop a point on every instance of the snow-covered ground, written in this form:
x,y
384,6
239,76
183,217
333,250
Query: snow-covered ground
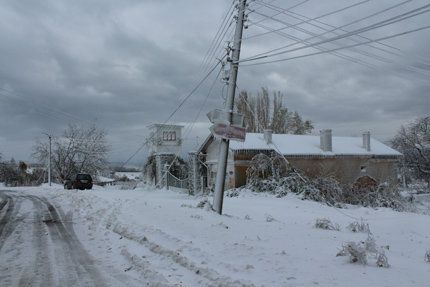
x,y
129,174
261,240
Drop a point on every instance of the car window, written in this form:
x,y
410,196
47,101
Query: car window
x,y
83,177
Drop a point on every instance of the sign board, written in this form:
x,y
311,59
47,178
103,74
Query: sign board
x,y
226,131
220,116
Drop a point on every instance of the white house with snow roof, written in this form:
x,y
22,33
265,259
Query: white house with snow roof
x,y
348,159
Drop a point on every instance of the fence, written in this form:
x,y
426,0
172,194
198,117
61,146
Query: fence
x,y
176,182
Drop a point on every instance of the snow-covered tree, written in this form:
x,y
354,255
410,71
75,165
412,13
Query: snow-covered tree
x,y
263,112
80,149
414,142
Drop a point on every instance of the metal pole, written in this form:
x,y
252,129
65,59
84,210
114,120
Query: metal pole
x,y
49,162
224,145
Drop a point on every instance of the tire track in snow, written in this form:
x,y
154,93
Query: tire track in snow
x,y
211,276
86,272
7,224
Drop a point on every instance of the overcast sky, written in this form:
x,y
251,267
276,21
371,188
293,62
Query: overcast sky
x,y
127,64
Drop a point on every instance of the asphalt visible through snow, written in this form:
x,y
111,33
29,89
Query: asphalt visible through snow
x,y
39,247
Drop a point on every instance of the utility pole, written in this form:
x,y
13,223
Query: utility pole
x,y
49,162
49,159
229,106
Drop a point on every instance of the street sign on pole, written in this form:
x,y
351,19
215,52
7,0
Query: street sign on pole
x,y
219,116
228,132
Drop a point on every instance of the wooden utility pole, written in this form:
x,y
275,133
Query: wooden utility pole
x,y
224,145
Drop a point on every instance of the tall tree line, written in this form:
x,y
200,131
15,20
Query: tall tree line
x,y
264,112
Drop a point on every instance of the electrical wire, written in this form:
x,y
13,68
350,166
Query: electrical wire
x,y
339,55
220,28
344,47
261,3
291,14
306,21
191,125
14,96
227,22
346,57
148,140
390,21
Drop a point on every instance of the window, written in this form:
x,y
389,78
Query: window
x,y
169,136
363,168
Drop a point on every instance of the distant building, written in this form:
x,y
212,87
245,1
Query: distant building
x,y
165,147
348,159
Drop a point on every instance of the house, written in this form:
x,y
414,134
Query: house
x,y
348,159
165,148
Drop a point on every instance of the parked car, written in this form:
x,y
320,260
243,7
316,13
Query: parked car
x,y
81,181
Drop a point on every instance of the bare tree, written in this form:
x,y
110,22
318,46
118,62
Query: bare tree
x,y
80,149
414,142
259,114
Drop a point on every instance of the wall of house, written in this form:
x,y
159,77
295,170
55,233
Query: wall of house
x,y
162,143
212,154
348,169
345,169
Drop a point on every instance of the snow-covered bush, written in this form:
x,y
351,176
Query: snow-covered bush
x,y
427,256
370,244
204,204
266,175
269,218
356,251
324,223
359,252
361,226
326,190
382,260
232,192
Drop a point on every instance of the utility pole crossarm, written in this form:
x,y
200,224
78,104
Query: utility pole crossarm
x,y
229,107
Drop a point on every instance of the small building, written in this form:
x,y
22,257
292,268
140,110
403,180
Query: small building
x,y
165,149
348,159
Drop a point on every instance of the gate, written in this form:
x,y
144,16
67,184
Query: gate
x,y
173,181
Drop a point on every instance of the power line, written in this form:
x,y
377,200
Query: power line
x,y
191,125
222,30
212,58
349,58
13,95
261,3
217,33
344,47
392,20
342,56
173,112
306,21
290,14
345,25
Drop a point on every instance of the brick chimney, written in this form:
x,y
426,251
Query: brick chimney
x,y
326,140
268,136
366,141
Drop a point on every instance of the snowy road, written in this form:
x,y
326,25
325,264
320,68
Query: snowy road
x,y
39,247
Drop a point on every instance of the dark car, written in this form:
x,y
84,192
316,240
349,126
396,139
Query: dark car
x,y
81,181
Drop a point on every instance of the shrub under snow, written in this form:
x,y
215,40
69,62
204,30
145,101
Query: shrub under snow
x,y
265,176
324,223
359,252
361,226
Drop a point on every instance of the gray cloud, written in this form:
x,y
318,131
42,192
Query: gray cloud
x,y
126,64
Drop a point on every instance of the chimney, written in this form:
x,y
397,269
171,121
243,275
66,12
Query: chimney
x,y
268,136
366,141
326,140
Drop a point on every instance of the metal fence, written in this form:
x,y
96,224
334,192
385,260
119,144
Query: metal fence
x,y
176,182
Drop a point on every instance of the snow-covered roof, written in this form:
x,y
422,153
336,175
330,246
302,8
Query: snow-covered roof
x,y
288,144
